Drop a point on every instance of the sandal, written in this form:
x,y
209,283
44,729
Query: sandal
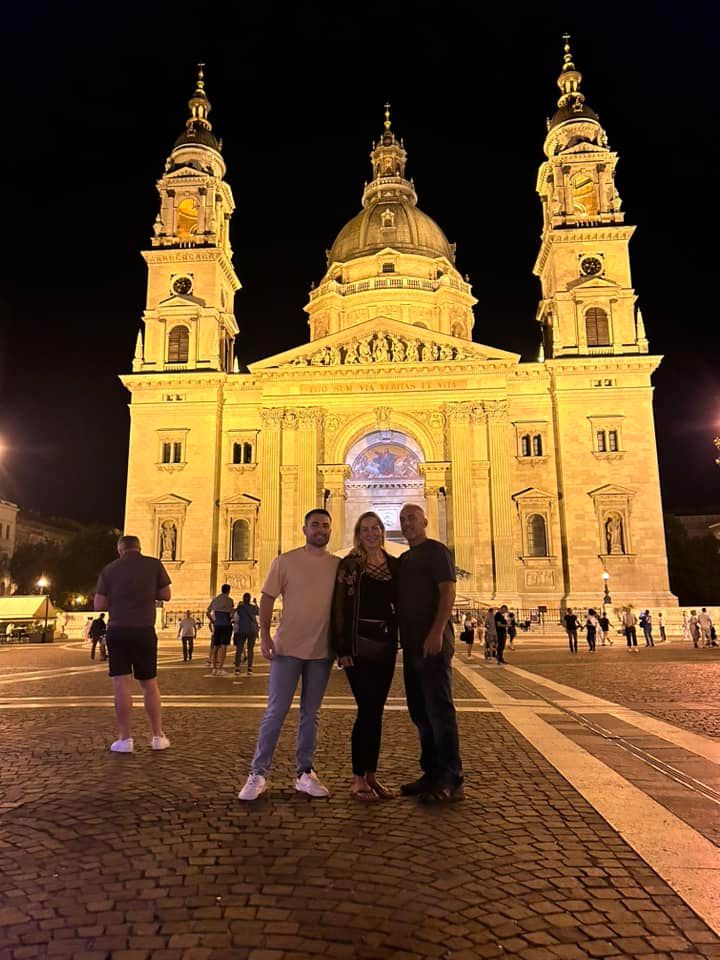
x,y
366,795
382,792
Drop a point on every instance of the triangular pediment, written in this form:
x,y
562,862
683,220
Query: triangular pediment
x,y
173,499
181,300
384,341
184,173
611,490
532,493
595,284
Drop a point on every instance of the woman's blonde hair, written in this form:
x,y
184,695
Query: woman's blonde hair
x,y
358,548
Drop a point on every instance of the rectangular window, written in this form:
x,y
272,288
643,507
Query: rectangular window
x,y
388,268
525,445
601,441
166,452
612,440
177,453
537,445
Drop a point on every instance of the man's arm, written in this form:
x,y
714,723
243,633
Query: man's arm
x,y
100,602
164,593
446,602
267,647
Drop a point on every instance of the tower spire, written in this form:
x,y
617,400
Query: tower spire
x,y
199,104
569,81
387,116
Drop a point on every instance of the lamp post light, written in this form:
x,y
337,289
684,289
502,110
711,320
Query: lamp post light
x,y
606,596
43,583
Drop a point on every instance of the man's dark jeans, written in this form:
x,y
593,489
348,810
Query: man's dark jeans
x,y
428,688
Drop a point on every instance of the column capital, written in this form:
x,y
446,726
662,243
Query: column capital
x,y
495,410
458,412
309,417
290,419
435,473
272,417
334,476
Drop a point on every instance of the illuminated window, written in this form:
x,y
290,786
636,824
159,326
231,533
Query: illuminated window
x,y
597,327
187,218
388,268
178,345
537,536
240,545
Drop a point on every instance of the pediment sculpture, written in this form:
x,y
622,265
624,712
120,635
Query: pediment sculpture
x,y
383,347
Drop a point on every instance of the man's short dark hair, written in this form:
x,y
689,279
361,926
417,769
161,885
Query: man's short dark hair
x,y
225,588
246,598
320,510
128,542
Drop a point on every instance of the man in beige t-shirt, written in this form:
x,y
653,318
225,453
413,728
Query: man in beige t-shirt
x,y
305,578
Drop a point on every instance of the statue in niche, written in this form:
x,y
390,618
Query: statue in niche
x,y
614,534
397,349
351,353
380,350
364,355
412,351
168,540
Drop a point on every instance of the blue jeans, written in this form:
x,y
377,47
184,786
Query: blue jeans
x,y
428,689
285,672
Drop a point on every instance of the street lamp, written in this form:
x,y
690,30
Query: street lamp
x,y
44,583
606,596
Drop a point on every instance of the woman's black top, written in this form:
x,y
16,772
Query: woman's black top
x,y
362,594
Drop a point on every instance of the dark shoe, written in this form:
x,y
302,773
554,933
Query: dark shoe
x,y
422,785
443,794
502,661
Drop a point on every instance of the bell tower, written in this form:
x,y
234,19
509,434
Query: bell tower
x,y
189,320
588,304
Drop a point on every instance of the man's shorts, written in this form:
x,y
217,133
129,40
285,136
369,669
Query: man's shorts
x,y
132,650
222,636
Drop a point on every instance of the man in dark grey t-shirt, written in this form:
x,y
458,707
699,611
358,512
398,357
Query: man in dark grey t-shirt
x,y
128,588
425,599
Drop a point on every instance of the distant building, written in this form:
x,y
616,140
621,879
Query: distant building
x,y
33,528
8,534
700,524
539,475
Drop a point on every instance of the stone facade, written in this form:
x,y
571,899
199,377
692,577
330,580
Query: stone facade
x,y
540,475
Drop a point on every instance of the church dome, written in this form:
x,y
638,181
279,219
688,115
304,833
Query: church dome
x,y
390,217
198,129
395,223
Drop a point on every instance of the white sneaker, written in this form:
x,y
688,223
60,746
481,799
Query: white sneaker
x,y
309,783
255,785
160,743
123,746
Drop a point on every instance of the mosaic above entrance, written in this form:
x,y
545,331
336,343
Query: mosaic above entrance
x,y
385,461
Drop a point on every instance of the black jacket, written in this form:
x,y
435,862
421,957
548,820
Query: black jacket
x,y
346,603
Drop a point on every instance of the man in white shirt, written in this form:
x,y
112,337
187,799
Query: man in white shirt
x,y
187,631
705,621
305,578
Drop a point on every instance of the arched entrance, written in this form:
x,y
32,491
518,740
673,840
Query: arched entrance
x,y
384,474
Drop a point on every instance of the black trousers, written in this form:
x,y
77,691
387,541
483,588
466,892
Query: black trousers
x,y
631,636
370,683
501,641
188,643
428,688
572,640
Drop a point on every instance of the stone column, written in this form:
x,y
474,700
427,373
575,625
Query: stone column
x,y
291,534
269,462
307,453
461,450
334,476
500,499
435,478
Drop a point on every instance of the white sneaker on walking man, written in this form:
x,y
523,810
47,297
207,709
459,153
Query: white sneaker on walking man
x,y
305,578
128,588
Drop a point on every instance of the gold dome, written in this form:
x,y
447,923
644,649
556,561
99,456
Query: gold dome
x,y
395,223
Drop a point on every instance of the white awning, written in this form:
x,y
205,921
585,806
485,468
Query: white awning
x,y
13,609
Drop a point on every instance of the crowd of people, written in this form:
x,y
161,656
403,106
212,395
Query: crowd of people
x,y
494,629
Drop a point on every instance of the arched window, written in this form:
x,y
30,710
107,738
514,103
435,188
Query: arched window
x,y
237,453
247,453
597,327
537,447
537,536
525,445
240,547
178,345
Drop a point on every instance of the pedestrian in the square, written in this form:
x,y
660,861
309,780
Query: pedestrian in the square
x,y
628,623
694,628
98,629
220,613
511,630
592,626
85,632
467,636
299,651
661,626
490,634
705,622
604,629
365,640
646,627
245,631
501,629
426,597
128,588
572,625
187,631
480,631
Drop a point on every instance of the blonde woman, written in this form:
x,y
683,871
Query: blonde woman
x,y
365,642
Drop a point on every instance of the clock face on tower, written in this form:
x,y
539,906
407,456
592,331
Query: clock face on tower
x,y
182,285
590,266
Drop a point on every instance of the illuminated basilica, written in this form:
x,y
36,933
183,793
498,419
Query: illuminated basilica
x,y
540,476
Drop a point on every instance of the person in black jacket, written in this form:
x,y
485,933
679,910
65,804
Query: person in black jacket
x,y
98,630
365,641
572,625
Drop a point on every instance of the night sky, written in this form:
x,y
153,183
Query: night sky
x,y
93,101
